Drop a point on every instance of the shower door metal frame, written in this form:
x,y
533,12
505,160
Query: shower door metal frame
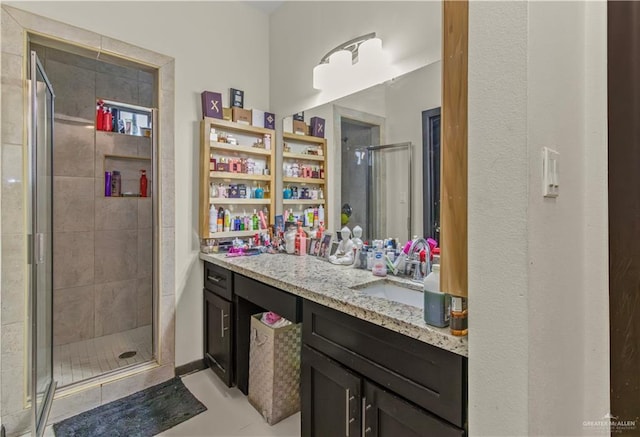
x,y
370,164
35,246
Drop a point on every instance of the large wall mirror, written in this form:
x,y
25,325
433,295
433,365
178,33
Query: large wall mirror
x,y
377,139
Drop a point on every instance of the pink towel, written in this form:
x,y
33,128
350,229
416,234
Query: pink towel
x,y
270,318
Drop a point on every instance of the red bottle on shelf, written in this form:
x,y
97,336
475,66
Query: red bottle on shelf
x,y
143,183
100,115
108,120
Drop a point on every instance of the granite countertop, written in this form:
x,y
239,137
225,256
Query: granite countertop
x,y
331,285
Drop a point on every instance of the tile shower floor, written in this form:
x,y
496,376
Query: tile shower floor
x,y
84,359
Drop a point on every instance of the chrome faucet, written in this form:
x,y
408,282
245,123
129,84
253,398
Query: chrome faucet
x,y
413,259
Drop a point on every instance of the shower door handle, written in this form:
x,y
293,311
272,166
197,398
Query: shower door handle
x,y
37,249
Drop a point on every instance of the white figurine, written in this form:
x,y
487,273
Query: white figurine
x,y
357,234
344,253
357,245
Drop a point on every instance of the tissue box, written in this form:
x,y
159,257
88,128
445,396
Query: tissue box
x,y
317,127
242,116
299,127
236,98
211,104
257,118
269,120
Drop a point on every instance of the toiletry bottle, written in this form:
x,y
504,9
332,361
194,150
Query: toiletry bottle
x,y
143,183
267,141
227,220
213,219
321,213
303,244
107,184
458,320
256,222
379,265
437,305
220,219
114,119
116,184
108,120
100,116
259,193
297,240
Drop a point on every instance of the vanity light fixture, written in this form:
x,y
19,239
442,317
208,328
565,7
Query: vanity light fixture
x,y
360,59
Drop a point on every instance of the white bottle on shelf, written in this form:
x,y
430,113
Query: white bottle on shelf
x,y
213,219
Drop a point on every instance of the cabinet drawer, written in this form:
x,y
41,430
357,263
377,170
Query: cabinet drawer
x,y
285,304
218,280
430,377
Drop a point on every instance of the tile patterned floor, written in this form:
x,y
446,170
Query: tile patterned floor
x,y
228,414
78,361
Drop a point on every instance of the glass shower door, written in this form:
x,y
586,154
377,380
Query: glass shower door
x,y
389,186
41,384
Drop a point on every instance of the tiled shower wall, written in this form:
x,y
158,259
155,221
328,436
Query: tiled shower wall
x,y
102,246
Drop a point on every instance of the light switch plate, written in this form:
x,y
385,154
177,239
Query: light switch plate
x,y
550,173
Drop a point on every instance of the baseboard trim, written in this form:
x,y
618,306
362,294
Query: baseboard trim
x,y
193,366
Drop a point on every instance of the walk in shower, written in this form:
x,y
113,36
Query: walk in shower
x,y
103,240
382,204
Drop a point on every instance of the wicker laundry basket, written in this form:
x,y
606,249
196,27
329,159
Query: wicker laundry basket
x,y
274,370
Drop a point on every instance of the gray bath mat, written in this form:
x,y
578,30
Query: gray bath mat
x,y
142,414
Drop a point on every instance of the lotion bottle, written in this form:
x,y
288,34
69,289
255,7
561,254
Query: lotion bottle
x,y
213,219
379,264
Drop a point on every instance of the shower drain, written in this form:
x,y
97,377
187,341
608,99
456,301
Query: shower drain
x,y
128,354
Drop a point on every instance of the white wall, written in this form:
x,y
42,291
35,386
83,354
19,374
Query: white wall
x,y
216,45
540,264
497,219
306,31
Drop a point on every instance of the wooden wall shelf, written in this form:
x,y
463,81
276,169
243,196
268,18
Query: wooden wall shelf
x,y
229,150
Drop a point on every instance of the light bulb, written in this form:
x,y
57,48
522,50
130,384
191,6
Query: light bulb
x,y
321,76
370,51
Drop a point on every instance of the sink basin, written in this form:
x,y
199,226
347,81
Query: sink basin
x,y
392,291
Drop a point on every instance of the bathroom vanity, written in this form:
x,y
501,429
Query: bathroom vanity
x,y
370,366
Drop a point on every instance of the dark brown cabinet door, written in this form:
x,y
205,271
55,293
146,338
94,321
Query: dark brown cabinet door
x,y
218,327
331,400
386,415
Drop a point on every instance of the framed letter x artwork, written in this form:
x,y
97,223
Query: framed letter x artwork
x,y
211,104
